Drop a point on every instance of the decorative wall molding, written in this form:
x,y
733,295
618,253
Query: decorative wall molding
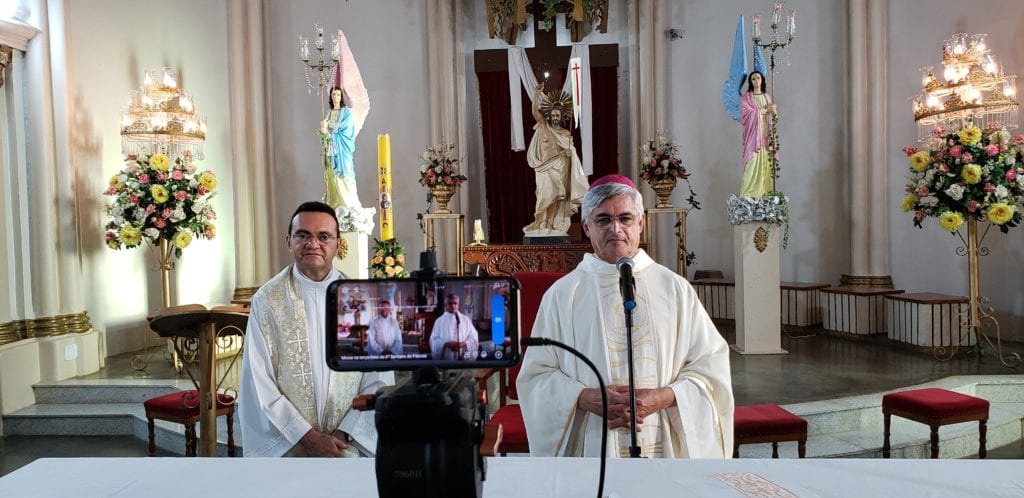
x,y
16,34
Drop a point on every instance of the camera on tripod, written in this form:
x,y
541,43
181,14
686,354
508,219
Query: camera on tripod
x,y
430,428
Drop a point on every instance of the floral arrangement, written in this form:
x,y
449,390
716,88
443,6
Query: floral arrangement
x,y
440,167
388,259
355,219
772,208
659,160
156,199
969,173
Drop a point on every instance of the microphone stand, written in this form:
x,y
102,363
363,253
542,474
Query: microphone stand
x,y
634,449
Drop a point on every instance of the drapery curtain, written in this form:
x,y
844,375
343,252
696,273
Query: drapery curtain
x,y
510,183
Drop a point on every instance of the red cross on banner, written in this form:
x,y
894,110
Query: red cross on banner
x,y
576,77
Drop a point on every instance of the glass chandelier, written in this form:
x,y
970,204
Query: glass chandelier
x,y
974,89
162,117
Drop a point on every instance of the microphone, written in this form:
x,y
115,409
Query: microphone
x,y
626,283
626,287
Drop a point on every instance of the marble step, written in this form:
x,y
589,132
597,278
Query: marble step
x,y
852,427
71,393
102,408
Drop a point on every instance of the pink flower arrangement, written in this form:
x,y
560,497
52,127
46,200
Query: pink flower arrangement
x,y
659,159
966,173
440,167
155,199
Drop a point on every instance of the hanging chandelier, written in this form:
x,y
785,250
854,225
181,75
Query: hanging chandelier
x,y
974,90
162,117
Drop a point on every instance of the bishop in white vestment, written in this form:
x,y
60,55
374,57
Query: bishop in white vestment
x,y
684,388
454,337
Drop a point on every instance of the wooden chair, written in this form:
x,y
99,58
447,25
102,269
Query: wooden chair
x,y
509,415
768,424
935,407
183,408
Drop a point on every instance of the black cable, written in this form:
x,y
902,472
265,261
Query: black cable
x,y
541,341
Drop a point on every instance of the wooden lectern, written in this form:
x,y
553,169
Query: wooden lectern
x,y
194,321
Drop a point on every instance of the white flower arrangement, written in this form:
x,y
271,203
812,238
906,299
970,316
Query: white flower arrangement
x,y
356,219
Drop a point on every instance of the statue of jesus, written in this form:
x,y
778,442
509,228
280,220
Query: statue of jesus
x,y
561,182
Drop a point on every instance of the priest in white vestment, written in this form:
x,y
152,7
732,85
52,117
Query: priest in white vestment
x,y
454,337
290,403
683,385
385,335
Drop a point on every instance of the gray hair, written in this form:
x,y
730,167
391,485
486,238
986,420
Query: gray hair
x,y
597,195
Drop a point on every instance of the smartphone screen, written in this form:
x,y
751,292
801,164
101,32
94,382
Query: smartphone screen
x,y
403,324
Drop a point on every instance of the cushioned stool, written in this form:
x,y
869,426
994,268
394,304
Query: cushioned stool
x,y
935,407
768,424
183,408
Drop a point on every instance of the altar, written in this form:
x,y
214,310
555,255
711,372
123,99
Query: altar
x,y
561,477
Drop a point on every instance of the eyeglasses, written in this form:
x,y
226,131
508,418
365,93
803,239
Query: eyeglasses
x,y
302,237
604,221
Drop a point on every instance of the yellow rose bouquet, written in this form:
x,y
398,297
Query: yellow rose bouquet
x,y
155,198
388,259
969,173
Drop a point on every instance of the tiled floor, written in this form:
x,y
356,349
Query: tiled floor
x,y
818,367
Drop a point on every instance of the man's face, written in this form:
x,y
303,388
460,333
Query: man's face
x,y
385,310
313,255
556,117
452,305
614,229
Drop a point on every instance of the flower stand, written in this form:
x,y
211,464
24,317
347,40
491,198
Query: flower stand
x,y
450,259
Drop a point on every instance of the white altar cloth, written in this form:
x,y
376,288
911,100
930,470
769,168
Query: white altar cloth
x,y
519,477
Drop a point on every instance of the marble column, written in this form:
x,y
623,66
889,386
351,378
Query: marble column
x,y
446,69
867,171
648,54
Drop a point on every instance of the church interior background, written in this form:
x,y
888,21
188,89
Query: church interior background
x,y
843,91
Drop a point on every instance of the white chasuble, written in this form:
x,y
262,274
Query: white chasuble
x,y
675,346
286,387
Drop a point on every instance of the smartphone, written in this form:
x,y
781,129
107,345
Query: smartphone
x,y
406,324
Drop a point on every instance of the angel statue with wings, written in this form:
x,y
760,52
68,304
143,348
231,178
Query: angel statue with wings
x,y
347,107
755,111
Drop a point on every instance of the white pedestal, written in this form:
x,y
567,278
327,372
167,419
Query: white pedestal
x,y
357,263
758,304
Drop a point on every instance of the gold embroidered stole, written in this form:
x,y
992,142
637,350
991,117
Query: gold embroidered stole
x,y
283,325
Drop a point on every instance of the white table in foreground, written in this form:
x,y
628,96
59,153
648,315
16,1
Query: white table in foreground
x,y
561,477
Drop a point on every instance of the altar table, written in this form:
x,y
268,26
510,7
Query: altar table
x,y
519,477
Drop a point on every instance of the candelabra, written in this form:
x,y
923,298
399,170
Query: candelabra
x,y
323,68
774,42
975,89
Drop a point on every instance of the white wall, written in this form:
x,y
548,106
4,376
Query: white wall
x,y
924,259
110,44
810,94
388,40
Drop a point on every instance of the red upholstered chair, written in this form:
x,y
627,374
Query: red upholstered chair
x,y
768,424
183,408
935,407
509,415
